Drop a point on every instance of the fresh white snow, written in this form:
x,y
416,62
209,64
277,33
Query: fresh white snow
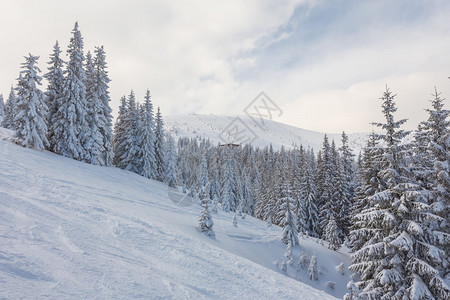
x,y
73,230
275,133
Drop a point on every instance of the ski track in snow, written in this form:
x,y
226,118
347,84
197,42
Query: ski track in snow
x,y
71,230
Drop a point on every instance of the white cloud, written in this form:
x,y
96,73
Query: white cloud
x,y
215,57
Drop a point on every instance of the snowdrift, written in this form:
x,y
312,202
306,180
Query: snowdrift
x,y
73,230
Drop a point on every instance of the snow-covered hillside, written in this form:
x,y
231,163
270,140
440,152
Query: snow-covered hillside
x,y
73,230
211,126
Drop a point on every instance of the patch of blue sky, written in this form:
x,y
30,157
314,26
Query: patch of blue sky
x,y
320,29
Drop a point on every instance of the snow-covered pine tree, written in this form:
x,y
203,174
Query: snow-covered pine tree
x,y
332,235
298,162
437,130
324,185
247,201
235,218
55,79
129,158
334,190
214,202
341,209
228,193
288,258
289,234
347,174
308,195
422,160
266,207
10,110
433,263
92,140
215,185
303,260
101,81
255,176
120,129
370,183
159,147
238,189
353,291
203,179
30,121
2,106
170,159
205,220
397,261
276,187
381,270
281,189
145,139
70,125
313,273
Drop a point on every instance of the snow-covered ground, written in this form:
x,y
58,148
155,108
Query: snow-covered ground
x,y
211,126
73,230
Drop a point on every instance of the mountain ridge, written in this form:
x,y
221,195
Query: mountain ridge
x,y
272,132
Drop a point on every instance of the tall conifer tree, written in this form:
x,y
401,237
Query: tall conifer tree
x,y
30,121
70,126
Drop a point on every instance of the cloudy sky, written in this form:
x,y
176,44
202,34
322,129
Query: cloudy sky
x,y
325,63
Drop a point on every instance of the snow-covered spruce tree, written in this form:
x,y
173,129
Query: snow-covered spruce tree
x,y
55,79
308,195
203,179
397,261
101,81
30,121
205,220
353,291
437,129
247,202
340,203
215,184
380,273
304,259
288,258
10,111
92,140
434,177
70,126
332,235
2,106
347,174
146,161
324,183
333,192
313,273
120,129
265,207
171,167
159,147
298,174
129,158
422,160
370,182
289,234
228,193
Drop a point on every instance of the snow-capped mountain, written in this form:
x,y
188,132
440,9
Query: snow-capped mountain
x,y
214,127
74,230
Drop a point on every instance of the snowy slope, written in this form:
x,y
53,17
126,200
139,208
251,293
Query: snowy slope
x,y
72,230
211,126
